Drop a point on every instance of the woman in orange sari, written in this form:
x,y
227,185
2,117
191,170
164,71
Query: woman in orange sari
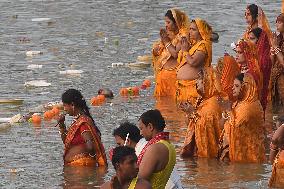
x,y
82,140
165,52
277,158
242,139
247,57
204,127
255,17
277,75
260,39
192,59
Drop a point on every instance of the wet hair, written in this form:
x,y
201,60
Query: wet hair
x,y
253,9
155,118
127,127
169,14
240,77
257,32
120,153
74,96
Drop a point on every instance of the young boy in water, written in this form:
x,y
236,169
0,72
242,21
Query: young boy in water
x,y
124,162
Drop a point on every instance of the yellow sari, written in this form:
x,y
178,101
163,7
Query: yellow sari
x,y
203,129
186,90
166,78
244,130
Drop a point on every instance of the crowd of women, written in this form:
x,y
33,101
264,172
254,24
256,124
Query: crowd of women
x,y
229,107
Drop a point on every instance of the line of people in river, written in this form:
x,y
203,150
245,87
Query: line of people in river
x,y
226,106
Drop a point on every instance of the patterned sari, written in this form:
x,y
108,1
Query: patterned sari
x,y
80,125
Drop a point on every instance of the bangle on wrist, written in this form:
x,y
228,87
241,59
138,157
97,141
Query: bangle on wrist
x,y
62,133
167,45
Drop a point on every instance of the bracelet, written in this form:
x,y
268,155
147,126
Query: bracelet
x,y
168,45
62,133
277,50
89,140
225,115
92,155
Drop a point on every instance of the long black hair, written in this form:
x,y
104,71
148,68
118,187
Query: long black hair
x,y
74,96
253,9
257,32
169,14
240,77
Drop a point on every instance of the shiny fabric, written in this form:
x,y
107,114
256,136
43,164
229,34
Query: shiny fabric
x,y
277,79
206,33
182,22
82,160
228,69
204,127
165,83
244,130
186,91
277,176
265,65
251,56
99,148
159,180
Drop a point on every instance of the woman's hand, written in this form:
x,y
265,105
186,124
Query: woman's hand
x,y
164,37
61,121
156,50
184,44
186,107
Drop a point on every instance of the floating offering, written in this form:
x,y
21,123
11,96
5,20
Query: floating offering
x,y
33,53
71,72
36,119
34,66
11,101
119,64
130,91
37,83
4,126
139,65
146,83
145,58
40,19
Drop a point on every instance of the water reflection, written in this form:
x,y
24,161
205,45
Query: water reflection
x,y
78,177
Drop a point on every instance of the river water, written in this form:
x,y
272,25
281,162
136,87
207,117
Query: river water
x,y
90,36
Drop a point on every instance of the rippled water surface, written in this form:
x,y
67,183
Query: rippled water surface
x,y
90,36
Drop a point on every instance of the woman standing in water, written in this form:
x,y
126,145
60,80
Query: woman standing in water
x,y
277,76
243,136
165,52
260,39
82,140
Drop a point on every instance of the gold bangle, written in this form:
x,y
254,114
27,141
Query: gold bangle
x,y
168,45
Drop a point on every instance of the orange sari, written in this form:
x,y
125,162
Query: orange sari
x,y
251,56
228,69
277,176
85,159
186,89
166,78
244,130
203,129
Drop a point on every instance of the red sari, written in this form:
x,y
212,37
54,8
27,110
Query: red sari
x,y
265,65
73,137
